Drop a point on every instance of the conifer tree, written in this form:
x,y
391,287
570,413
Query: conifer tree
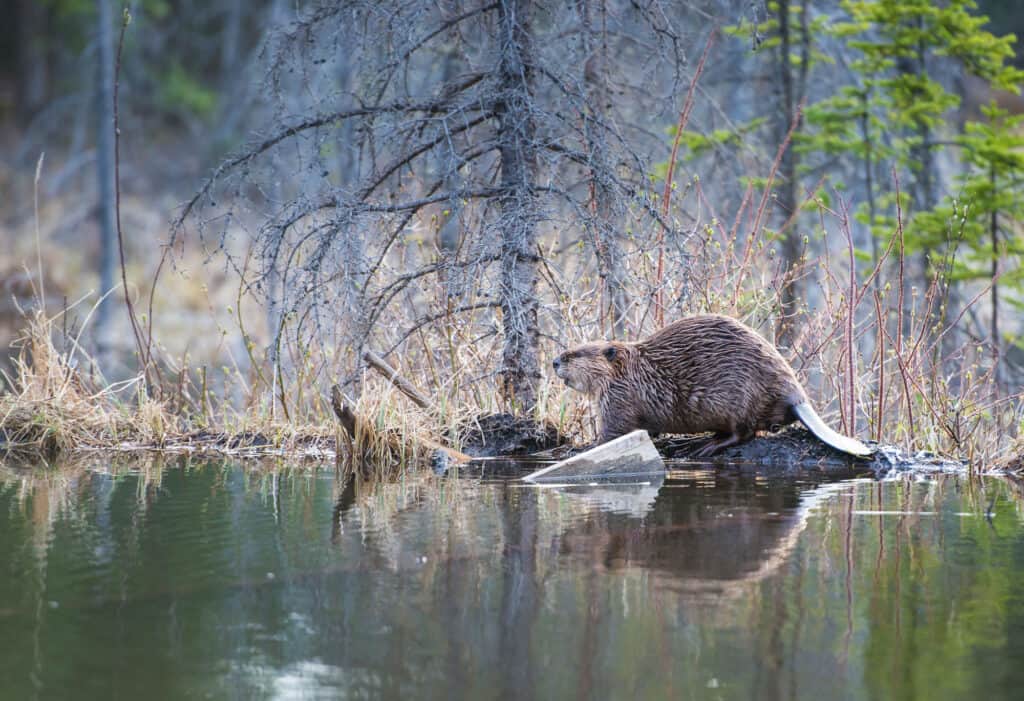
x,y
986,200
893,113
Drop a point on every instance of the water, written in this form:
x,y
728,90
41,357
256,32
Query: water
x,y
220,581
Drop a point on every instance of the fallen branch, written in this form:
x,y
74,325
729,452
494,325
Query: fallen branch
x,y
401,384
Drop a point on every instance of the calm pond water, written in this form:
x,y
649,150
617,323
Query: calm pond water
x,y
212,580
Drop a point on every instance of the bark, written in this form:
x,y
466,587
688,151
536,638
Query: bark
x,y
105,175
520,370
869,185
793,90
446,164
925,193
607,247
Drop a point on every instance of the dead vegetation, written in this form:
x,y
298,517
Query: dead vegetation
x,y
51,408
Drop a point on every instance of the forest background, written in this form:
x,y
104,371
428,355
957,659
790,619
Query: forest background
x,y
466,188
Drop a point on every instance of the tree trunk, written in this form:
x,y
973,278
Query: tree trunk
x,y
793,88
105,175
926,181
520,370
869,183
607,248
231,39
446,165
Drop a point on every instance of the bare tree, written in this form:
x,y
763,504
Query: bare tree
x,y
514,107
794,47
601,223
478,108
33,76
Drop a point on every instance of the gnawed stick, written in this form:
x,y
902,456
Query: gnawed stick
x,y
401,384
346,417
352,423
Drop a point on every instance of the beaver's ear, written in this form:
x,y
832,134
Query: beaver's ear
x,y
609,353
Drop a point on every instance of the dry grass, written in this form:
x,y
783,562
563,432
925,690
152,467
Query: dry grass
x,y
871,360
389,436
50,409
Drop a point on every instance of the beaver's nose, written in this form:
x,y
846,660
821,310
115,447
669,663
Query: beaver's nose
x,y
556,362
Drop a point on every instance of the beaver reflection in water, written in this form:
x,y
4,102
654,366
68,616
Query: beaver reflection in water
x,y
702,373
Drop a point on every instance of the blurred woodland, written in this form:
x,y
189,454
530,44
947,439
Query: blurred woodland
x,y
466,188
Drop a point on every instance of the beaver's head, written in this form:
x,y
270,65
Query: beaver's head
x,y
590,367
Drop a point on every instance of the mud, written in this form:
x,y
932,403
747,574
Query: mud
x,y
504,434
793,448
796,447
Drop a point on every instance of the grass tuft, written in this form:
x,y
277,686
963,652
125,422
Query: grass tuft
x,y
50,409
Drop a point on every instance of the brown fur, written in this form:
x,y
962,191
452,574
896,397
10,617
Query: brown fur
x,y
702,373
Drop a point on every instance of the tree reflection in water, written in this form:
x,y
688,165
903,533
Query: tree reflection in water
x,y
241,582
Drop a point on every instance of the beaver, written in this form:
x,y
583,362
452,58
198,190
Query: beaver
x,y
702,373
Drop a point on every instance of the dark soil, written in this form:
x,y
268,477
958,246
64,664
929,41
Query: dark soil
x,y
791,447
504,434
796,447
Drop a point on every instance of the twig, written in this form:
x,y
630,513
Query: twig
x,y
881,366
355,426
684,117
39,253
126,19
204,399
423,321
899,306
851,309
435,107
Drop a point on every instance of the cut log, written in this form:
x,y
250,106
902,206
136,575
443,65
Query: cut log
x,y
630,455
346,417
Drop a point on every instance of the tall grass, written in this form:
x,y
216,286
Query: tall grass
x,y
50,408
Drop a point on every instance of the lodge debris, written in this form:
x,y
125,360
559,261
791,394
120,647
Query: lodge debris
x,y
507,434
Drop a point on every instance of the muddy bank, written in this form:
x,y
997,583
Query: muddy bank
x,y
527,441
796,447
793,448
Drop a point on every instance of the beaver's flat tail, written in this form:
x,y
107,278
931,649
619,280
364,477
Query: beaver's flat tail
x,y
809,418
